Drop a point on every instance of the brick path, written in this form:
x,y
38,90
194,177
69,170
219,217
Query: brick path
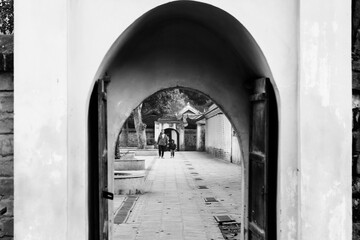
x,y
172,206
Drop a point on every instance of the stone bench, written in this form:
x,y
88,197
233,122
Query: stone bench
x,y
129,164
129,182
148,151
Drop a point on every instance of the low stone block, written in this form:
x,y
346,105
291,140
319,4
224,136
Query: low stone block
x,y
129,165
6,123
7,166
6,62
7,226
9,205
356,65
358,165
127,155
146,152
7,238
6,102
129,186
356,230
6,186
6,81
6,145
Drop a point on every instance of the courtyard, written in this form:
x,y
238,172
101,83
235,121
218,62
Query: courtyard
x,y
173,205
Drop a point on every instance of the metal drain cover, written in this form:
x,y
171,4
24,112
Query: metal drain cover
x,y
125,209
230,230
224,218
203,187
210,199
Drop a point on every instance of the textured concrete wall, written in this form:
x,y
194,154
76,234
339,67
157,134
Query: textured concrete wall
x,y
6,138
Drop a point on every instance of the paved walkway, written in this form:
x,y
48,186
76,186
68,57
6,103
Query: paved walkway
x,y
173,207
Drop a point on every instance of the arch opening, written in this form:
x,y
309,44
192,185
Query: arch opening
x,y
183,112
173,135
179,45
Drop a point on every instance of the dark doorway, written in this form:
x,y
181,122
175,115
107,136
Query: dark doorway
x,y
263,162
170,132
98,172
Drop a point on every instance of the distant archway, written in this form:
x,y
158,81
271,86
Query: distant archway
x,y
197,46
173,134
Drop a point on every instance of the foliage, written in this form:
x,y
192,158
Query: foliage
x,y
164,102
356,199
6,16
198,100
171,101
356,210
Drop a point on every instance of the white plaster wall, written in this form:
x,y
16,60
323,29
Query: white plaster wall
x,y
236,151
174,135
227,134
218,134
41,173
158,128
51,177
325,119
200,135
212,132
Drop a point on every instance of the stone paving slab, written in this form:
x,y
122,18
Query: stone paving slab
x,y
173,207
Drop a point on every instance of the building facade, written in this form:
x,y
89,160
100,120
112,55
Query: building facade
x,y
301,46
220,138
176,127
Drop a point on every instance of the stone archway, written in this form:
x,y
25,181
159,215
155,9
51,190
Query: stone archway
x,y
173,134
171,125
211,52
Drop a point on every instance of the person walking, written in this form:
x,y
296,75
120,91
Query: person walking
x,y
172,147
162,143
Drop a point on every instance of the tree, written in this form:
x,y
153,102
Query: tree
x,y
158,104
197,99
6,16
140,127
167,102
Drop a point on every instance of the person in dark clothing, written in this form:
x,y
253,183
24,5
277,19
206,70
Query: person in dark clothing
x,y
162,143
172,147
